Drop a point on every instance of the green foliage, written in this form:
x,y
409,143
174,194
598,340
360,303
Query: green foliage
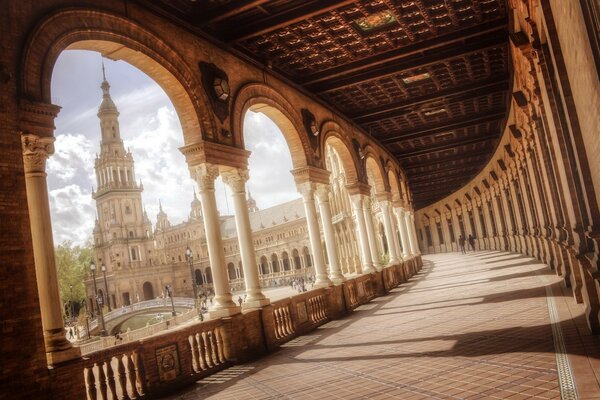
x,y
384,258
71,264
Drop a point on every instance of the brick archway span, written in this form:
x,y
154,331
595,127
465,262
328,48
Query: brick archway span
x,y
259,97
373,165
117,38
332,136
394,185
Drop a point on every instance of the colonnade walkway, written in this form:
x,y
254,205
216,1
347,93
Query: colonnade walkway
x,y
483,325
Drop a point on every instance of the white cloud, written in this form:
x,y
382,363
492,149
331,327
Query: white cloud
x,y
73,156
73,214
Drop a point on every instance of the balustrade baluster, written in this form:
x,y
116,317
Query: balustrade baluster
x,y
220,345
102,381
122,378
91,383
194,350
290,323
140,374
201,351
110,377
213,346
208,347
131,375
276,317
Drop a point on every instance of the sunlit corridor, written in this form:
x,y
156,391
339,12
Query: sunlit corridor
x,y
474,326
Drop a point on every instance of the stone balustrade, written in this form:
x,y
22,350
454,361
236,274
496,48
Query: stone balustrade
x,y
155,365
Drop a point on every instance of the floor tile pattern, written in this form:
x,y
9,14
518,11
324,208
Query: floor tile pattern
x,y
466,327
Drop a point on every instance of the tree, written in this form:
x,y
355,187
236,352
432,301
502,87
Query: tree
x,y
71,263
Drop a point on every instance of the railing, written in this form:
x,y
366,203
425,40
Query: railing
x,y
143,305
110,341
186,353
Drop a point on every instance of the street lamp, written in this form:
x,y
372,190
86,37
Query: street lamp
x,y
190,258
168,290
71,303
103,268
98,299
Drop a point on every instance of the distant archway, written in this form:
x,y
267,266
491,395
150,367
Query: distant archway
x,y
198,277
208,274
264,265
275,263
148,291
231,271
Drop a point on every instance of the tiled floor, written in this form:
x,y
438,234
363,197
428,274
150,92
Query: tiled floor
x,y
474,326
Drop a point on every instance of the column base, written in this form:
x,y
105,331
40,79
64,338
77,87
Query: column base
x,y
224,312
255,304
57,357
338,280
322,284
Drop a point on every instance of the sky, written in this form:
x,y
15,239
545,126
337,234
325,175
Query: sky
x,y
150,128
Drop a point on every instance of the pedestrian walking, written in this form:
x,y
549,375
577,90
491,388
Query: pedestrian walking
x,y
472,242
461,243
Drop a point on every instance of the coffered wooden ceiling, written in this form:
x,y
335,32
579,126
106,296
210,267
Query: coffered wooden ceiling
x,y
429,79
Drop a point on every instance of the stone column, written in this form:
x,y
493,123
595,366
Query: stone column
x,y
335,272
371,233
236,180
365,251
395,231
205,175
36,151
400,217
307,189
389,231
411,233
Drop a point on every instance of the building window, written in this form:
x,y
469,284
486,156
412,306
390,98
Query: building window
x,y
130,234
438,226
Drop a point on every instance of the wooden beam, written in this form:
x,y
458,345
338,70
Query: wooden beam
x,y
227,11
462,93
443,51
439,172
426,181
445,160
305,10
406,51
446,126
446,146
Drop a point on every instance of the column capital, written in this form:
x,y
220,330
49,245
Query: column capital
x,y
36,151
205,175
307,190
322,192
383,197
235,178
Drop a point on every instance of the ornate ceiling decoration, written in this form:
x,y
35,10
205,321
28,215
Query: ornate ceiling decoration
x,y
429,79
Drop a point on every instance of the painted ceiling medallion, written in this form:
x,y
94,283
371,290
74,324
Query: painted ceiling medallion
x,y
374,21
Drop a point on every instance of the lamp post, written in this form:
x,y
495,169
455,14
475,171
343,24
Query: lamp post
x,y
71,303
103,268
98,299
190,258
170,294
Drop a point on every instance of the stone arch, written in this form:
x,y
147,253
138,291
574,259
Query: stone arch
x,y
262,98
148,291
285,258
296,258
198,277
120,38
307,257
333,138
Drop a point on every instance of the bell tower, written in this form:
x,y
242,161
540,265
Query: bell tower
x,y
123,231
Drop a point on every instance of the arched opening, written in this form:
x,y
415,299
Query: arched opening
x,y
264,265
296,257
286,261
231,271
275,263
148,291
307,257
198,277
240,270
208,274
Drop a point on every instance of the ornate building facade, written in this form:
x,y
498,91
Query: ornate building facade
x,y
136,260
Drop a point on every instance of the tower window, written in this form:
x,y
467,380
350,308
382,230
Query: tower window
x,y
114,132
130,234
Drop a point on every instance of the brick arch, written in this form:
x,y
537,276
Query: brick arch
x,y
373,165
259,97
119,38
394,183
332,136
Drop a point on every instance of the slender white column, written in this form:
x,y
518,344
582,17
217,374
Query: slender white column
x,y
401,218
389,231
36,150
365,250
412,238
335,272
307,190
371,233
205,175
396,231
236,179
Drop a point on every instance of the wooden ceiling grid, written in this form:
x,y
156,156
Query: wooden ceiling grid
x,y
429,79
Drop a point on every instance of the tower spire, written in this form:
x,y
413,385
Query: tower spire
x,y
103,71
